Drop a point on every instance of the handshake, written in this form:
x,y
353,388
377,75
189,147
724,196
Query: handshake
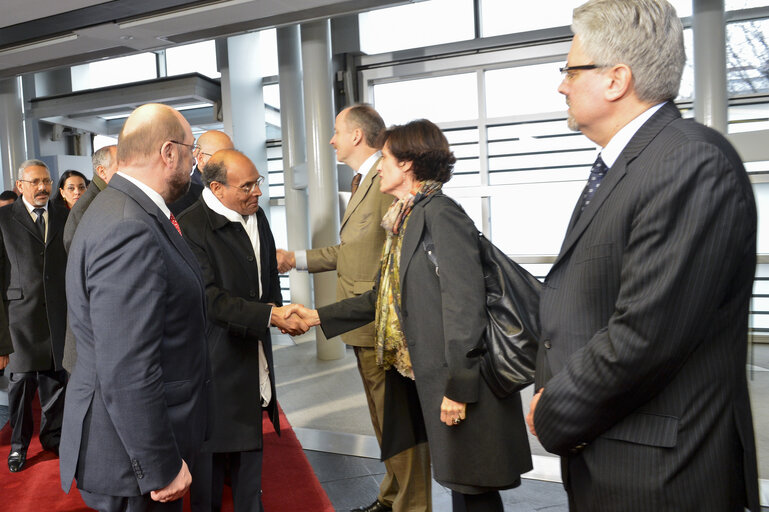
x,y
294,319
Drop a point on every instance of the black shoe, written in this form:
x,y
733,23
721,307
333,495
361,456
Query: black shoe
x,y
377,506
16,461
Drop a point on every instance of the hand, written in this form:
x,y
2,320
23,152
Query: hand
x,y
452,412
3,362
310,316
288,323
176,489
530,416
286,260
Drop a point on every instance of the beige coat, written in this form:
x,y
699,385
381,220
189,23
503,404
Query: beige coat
x,y
356,257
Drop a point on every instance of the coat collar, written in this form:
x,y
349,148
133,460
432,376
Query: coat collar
x,y
663,117
413,234
363,190
126,187
57,216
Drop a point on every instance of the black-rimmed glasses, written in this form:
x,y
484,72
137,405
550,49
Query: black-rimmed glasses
x,y
570,71
193,147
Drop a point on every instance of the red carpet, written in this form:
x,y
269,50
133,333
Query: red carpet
x,y
289,483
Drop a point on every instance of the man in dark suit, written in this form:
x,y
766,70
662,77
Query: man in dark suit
x,y
32,263
104,163
207,144
407,484
641,372
136,414
232,241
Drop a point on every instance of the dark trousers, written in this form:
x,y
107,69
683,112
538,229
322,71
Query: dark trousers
x,y
245,469
50,386
485,502
143,503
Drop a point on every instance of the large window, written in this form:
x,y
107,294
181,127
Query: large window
x,y
103,73
192,58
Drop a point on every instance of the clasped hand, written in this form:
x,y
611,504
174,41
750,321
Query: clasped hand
x,y
294,319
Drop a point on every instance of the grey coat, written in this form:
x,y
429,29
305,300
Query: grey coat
x,y
443,319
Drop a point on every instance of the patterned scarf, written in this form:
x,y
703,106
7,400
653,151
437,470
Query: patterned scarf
x,y
391,347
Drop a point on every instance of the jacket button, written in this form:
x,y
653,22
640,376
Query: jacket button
x,y
250,258
252,293
547,344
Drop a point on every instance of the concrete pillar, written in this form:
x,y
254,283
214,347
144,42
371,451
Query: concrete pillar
x,y
294,155
12,146
243,102
710,93
321,162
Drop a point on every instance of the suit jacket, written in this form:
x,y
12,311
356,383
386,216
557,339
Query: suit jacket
x,y
238,318
644,316
136,400
76,213
356,257
192,195
443,319
32,272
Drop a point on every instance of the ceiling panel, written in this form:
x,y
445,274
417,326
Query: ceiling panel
x,y
20,11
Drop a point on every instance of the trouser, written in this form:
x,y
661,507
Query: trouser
x,y
245,469
485,502
143,503
50,385
407,485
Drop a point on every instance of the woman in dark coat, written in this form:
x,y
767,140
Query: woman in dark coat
x,y
428,319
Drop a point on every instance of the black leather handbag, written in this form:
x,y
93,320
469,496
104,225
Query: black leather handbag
x,y
508,348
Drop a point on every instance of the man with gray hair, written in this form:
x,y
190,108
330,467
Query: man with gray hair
x,y
641,385
32,265
104,163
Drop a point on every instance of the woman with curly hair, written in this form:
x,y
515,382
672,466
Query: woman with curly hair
x,y
429,312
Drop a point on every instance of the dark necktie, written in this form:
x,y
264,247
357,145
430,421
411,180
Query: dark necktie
x,y
40,221
355,182
176,224
597,172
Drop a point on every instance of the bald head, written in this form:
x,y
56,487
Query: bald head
x,y
155,146
234,180
210,142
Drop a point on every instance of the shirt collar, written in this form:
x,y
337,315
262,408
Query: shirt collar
x,y
611,152
213,202
369,163
31,207
150,192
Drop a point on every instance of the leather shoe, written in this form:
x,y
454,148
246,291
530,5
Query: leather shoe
x,y
16,461
377,506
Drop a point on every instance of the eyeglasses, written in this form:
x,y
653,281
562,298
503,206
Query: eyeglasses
x,y
571,71
247,189
38,181
193,147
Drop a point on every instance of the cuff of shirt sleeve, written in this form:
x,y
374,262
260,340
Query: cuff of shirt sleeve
x,y
301,260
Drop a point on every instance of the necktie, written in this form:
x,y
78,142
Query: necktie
x,y
176,224
355,182
40,221
597,172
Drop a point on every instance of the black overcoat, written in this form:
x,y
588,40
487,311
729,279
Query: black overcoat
x,y
238,318
443,319
34,299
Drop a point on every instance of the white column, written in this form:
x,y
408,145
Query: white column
x,y
12,145
294,155
321,163
710,94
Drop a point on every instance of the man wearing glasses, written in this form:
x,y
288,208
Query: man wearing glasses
x,y
32,265
136,411
231,238
641,385
207,144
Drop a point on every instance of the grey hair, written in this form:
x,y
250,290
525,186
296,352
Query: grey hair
x,y
33,162
103,157
363,116
646,35
215,170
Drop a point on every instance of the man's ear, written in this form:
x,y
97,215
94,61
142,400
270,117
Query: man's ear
x,y
101,172
357,136
620,82
168,153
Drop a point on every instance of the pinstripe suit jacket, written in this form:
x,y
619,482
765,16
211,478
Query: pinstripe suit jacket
x,y
356,258
644,316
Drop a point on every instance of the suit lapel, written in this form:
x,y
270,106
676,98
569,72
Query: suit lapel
x,y
411,238
363,190
22,216
138,195
56,220
663,117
